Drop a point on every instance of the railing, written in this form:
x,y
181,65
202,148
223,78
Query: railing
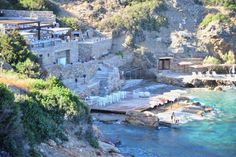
x,y
46,43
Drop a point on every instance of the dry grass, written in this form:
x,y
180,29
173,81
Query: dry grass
x,y
15,81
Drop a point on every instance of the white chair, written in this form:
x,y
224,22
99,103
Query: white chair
x,y
102,101
200,74
194,74
214,74
123,94
208,74
110,100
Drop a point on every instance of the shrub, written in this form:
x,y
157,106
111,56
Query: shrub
x,y
93,141
229,58
38,124
139,15
214,17
14,50
120,53
211,60
69,22
47,106
228,4
33,4
28,68
11,133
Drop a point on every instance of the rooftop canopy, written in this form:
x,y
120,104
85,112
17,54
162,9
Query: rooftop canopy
x,y
57,30
18,22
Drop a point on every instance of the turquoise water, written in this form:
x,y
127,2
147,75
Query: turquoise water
x,y
215,137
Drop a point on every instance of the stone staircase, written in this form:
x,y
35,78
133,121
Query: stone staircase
x,y
102,83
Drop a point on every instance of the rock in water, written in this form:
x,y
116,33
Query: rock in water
x,y
218,88
142,118
108,148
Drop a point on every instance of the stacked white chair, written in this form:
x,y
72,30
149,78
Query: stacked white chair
x,y
108,99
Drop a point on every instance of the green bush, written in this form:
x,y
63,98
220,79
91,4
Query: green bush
x,y
69,22
228,4
14,50
214,17
93,141
120,53
211,60
229,58
47,106
28,68
11,134
136,17
38,124
33,4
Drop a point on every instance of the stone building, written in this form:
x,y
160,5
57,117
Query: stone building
x,y
57,52
94,48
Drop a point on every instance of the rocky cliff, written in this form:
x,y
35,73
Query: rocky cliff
x,y
181,37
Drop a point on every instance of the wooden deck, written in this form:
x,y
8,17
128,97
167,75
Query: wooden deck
x,y
137,104
123,106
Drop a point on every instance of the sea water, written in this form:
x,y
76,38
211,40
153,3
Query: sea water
x,y
212,137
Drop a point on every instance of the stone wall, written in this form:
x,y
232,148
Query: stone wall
x,y
72,71
50,54
94,48
113,81
42,16
119,61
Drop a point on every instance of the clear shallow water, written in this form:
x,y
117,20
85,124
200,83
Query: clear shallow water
x,y
215,137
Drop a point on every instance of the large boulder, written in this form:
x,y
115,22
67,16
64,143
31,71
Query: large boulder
x,y
142,118
218,88
197,83
108,148
4,65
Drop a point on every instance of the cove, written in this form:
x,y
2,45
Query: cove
x,y
212,137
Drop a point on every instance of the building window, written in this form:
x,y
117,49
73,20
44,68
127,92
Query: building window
x,y
61,61
164,64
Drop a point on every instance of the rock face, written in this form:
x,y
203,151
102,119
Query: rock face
x,y
142,118
218,37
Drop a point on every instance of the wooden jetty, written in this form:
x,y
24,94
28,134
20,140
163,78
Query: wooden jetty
x,y
138,104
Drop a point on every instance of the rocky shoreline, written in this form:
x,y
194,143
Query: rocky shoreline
x,y
159,115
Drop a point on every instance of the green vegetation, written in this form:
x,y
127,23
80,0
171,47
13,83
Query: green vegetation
x,y
14,50
211,60
44,109
228,4
137,16
120,53
69,22
92,139
214,17
227,58
10,124
32,4
29,5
